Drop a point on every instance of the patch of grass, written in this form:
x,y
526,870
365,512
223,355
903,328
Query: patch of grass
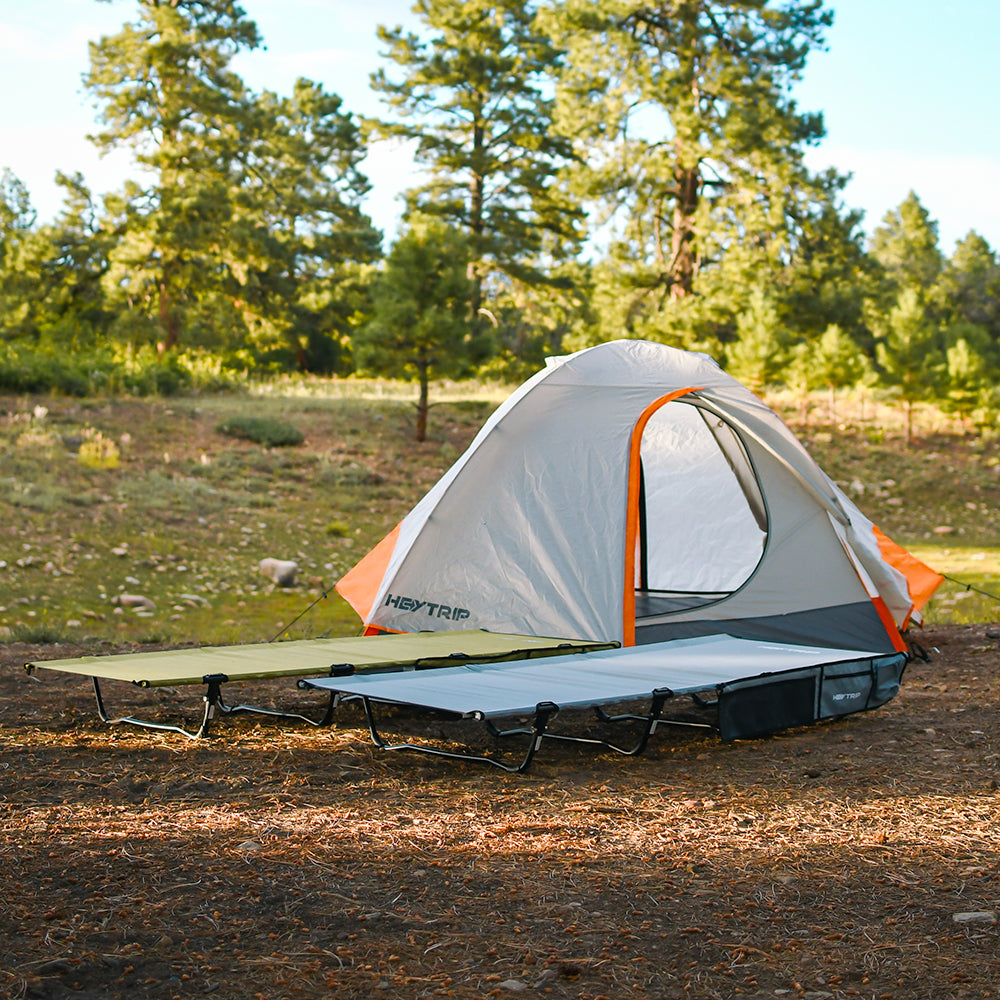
x,y
152,638
37,634
41,496
351,474
973,592
159,490
188,512
268,431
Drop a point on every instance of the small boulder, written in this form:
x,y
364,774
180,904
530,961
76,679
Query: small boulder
x,y
280,571
136,601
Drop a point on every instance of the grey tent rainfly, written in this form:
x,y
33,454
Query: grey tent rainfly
x,y
638,493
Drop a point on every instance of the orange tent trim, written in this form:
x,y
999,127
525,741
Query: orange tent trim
x,y
885,616
632,511
359,585
921,580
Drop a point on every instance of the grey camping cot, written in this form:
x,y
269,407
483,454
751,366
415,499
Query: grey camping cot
x,y
752,687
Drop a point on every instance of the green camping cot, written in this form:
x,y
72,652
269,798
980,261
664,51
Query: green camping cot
x,y
214,666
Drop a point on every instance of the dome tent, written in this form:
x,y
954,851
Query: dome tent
x,y
637,493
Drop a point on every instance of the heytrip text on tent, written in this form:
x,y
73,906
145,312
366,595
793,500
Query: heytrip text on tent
x,y
433,610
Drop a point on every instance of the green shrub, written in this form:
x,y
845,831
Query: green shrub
x,y
33,368
37,634
50,367
262,430
148,374
97,451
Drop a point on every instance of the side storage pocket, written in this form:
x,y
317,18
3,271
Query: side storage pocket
x,y
766,704
888,677
856,685
845,688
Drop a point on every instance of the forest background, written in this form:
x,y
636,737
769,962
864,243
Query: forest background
x,y
588,171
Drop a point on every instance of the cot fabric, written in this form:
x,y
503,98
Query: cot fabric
x,y
685,666
308,657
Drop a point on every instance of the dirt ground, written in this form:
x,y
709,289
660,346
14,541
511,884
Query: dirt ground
x,y
857,858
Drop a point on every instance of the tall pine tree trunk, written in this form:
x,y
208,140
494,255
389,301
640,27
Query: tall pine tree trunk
x,y
683,250
477,196
423,404
169,325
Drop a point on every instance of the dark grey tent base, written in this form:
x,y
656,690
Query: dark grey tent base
x,y
847,626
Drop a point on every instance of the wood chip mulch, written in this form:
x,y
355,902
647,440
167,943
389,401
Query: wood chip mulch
x,y
859,858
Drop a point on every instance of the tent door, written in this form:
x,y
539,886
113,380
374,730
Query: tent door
x,y
700,517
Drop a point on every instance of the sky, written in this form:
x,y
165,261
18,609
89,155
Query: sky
x,y
908,90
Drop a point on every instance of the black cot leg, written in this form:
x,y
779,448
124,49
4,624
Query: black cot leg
x,y
323,720
651,720
211,699
544,711
538,731
656,710
659,699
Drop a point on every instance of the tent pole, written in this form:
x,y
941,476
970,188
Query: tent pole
x,y
643,532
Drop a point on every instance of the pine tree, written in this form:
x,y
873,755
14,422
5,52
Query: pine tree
x,y
826,277
473,99
906,246
169,95
909,354
682,115
420,326
759,353
833,361
300,241
18,286
971,358
968,288
76,250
